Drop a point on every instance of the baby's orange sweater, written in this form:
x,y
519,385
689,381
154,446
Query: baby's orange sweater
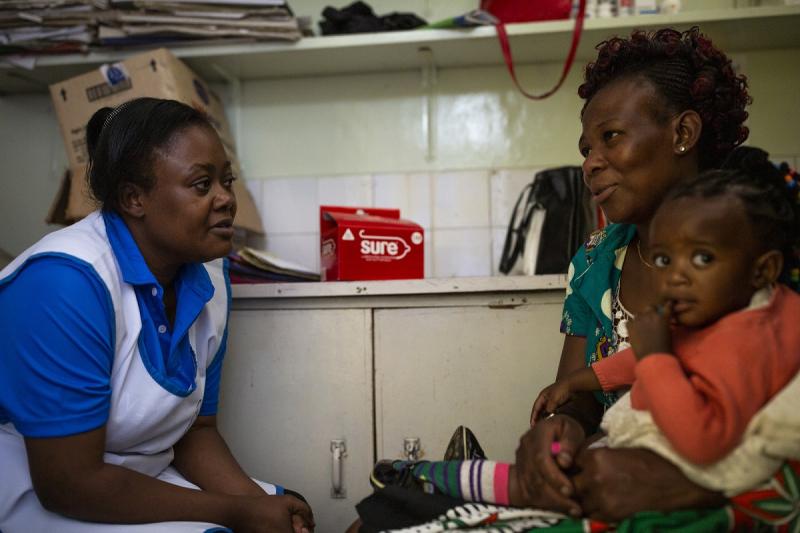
x,y
703,396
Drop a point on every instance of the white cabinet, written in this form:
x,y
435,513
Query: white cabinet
x,y
473,364
374,363
293,381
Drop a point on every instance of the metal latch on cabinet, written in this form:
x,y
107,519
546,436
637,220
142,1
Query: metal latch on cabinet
x,y
338,454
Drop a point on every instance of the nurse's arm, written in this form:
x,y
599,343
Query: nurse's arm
x,y
71,479
203,457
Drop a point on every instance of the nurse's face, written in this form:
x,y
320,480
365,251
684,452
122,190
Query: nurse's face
x,y
189,211
628,147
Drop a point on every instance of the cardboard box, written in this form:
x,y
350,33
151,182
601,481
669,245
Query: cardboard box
x,y
157,74
366,243
73,200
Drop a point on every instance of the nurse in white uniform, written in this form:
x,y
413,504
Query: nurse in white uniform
x,y
114,332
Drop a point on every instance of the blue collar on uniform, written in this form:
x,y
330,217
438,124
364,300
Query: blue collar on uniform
x,y
136,272
166,352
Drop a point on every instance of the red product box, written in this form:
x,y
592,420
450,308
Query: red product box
x,y
363,243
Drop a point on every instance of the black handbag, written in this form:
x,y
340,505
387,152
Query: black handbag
x,y
554,213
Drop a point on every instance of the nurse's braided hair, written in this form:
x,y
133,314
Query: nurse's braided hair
x,y
770,198
123,143
688,72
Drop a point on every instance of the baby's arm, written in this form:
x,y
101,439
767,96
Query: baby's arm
x,y
616,371
559,392
703,410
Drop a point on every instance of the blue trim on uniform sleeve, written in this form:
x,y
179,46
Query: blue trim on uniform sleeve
x,y
214,372
58,350
211,530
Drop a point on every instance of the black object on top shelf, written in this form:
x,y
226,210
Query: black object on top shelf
x,y
359,17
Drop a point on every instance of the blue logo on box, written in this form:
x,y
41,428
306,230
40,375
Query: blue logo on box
x,y
114,75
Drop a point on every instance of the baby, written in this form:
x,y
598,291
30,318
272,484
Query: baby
x,y
725,339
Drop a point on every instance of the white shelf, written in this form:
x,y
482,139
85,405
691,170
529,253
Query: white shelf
x,y
733,30
328,289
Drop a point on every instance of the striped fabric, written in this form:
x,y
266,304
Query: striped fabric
x,y
476,480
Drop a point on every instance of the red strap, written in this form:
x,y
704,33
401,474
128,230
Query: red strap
x,y
576,39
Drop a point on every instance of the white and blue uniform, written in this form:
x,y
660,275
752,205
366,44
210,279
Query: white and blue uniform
x,y
87,343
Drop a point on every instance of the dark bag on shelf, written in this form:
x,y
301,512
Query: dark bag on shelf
x,y
553,216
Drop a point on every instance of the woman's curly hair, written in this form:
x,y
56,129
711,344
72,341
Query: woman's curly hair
x,y
689,73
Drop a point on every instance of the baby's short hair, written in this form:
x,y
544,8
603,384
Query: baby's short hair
x,y
770,204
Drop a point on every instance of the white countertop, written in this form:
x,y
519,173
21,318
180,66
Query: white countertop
x,y
400,287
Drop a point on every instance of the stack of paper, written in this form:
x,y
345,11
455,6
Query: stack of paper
x,y
49,26
249,265
34,27
159,21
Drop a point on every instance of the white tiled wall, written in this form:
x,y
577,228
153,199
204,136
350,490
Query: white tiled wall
x,y
464,213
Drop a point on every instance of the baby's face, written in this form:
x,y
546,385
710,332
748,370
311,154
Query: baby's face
x,y
704,252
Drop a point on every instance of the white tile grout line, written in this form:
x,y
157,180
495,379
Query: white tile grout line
x,y
431,208
492,172
372,189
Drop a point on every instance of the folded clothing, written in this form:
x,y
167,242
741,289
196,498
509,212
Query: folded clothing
x,y
359,17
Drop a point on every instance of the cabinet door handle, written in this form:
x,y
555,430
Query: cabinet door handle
x,y
411,449
338,453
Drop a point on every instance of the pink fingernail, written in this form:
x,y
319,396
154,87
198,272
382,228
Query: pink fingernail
x,y
555,448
